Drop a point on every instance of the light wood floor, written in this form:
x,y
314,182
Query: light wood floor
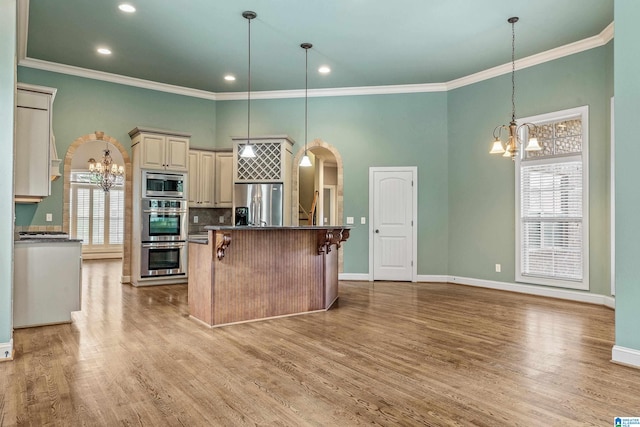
x,y
389,354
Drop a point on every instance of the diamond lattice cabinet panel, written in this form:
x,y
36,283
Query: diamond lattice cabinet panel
x,y
266,165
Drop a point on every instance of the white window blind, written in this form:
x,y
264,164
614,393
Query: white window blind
x,y
551,214
552,203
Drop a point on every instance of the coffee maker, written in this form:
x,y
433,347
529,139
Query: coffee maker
x,y
242,216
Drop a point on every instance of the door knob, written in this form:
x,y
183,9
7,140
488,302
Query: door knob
x,y
377,231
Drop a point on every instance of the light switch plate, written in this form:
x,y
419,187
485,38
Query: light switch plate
x,y
221,219
349,220
195,219
363,220
49,217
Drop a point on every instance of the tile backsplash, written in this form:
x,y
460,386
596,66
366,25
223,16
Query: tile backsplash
x,y
208,216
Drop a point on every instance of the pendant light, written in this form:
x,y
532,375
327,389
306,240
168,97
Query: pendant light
x,y
510,149
247,151
306,162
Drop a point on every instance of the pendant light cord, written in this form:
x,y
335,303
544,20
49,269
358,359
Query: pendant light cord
x,y
249,89
513,71
306,85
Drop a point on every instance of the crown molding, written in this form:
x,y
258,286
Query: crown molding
x,y
601,39
115,78
605,36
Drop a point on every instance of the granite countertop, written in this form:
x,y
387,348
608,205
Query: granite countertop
x,y
271,227
48,240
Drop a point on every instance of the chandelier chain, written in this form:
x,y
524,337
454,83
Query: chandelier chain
x,y
306,85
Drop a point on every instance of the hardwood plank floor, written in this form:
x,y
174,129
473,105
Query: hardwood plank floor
x,y
388,354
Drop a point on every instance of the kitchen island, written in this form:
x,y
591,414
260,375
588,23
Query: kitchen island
x,y
240,274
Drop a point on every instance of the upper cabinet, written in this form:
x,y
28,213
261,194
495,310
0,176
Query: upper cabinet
x,y
33,142
160,150
224,180
201,178
210,179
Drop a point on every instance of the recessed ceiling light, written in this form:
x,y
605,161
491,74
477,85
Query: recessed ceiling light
x,y
126,7
104,51
230,78
324,69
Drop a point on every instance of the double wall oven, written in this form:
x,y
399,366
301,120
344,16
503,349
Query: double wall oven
x,y
164,225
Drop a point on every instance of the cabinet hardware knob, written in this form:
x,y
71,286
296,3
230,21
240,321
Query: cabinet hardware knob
x,y
377,231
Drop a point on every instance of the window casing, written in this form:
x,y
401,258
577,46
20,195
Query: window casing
x,y
552,204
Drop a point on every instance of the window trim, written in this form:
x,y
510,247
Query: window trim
x,y
541,119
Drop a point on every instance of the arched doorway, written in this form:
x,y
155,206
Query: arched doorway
x,y
68,162
327,176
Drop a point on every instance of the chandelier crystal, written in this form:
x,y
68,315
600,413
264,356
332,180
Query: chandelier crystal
x,y
105,173
509,149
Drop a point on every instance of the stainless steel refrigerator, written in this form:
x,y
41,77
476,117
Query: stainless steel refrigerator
x,y
258,204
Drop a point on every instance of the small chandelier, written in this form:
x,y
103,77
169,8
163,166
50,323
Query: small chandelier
x,y
510,149
306,162
105,173
247,150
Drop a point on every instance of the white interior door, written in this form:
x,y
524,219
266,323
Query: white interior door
x,y
392,223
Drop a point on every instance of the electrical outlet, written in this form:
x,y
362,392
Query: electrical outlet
x,y
195,219
498,268
49,217
221,219
349,220
363,220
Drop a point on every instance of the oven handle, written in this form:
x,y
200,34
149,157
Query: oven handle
x,y
163,245
164,211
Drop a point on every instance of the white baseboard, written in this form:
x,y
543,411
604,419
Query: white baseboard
x,y
625,356
353,276
431,278
6,350
544,291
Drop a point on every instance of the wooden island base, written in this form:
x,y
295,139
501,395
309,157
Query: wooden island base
x,y
242,274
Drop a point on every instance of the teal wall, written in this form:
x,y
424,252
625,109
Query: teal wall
x,y
482,186
370,130
83,106
7,102
627,174
465,196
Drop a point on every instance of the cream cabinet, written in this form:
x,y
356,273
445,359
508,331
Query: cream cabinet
x,y
160,150
224,180
201,178
33,140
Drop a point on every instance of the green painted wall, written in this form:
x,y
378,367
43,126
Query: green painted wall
x,y
380,130
482,186
7,105
83,106
627,107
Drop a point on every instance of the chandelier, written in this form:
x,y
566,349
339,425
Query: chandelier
x,y
510,148
105,173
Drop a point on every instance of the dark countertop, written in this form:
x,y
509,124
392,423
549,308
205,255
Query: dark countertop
x,y
61,240
271,227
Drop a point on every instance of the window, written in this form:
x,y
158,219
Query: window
x,y
97,217
552,187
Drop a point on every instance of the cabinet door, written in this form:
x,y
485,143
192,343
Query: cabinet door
x,y
32,144
207,176
192,185
224,180
177,153
153,151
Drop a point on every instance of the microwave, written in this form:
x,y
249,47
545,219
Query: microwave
x,y
164,184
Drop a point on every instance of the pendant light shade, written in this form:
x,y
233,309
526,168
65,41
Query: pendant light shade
x,y
510,149
306,162
247,150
